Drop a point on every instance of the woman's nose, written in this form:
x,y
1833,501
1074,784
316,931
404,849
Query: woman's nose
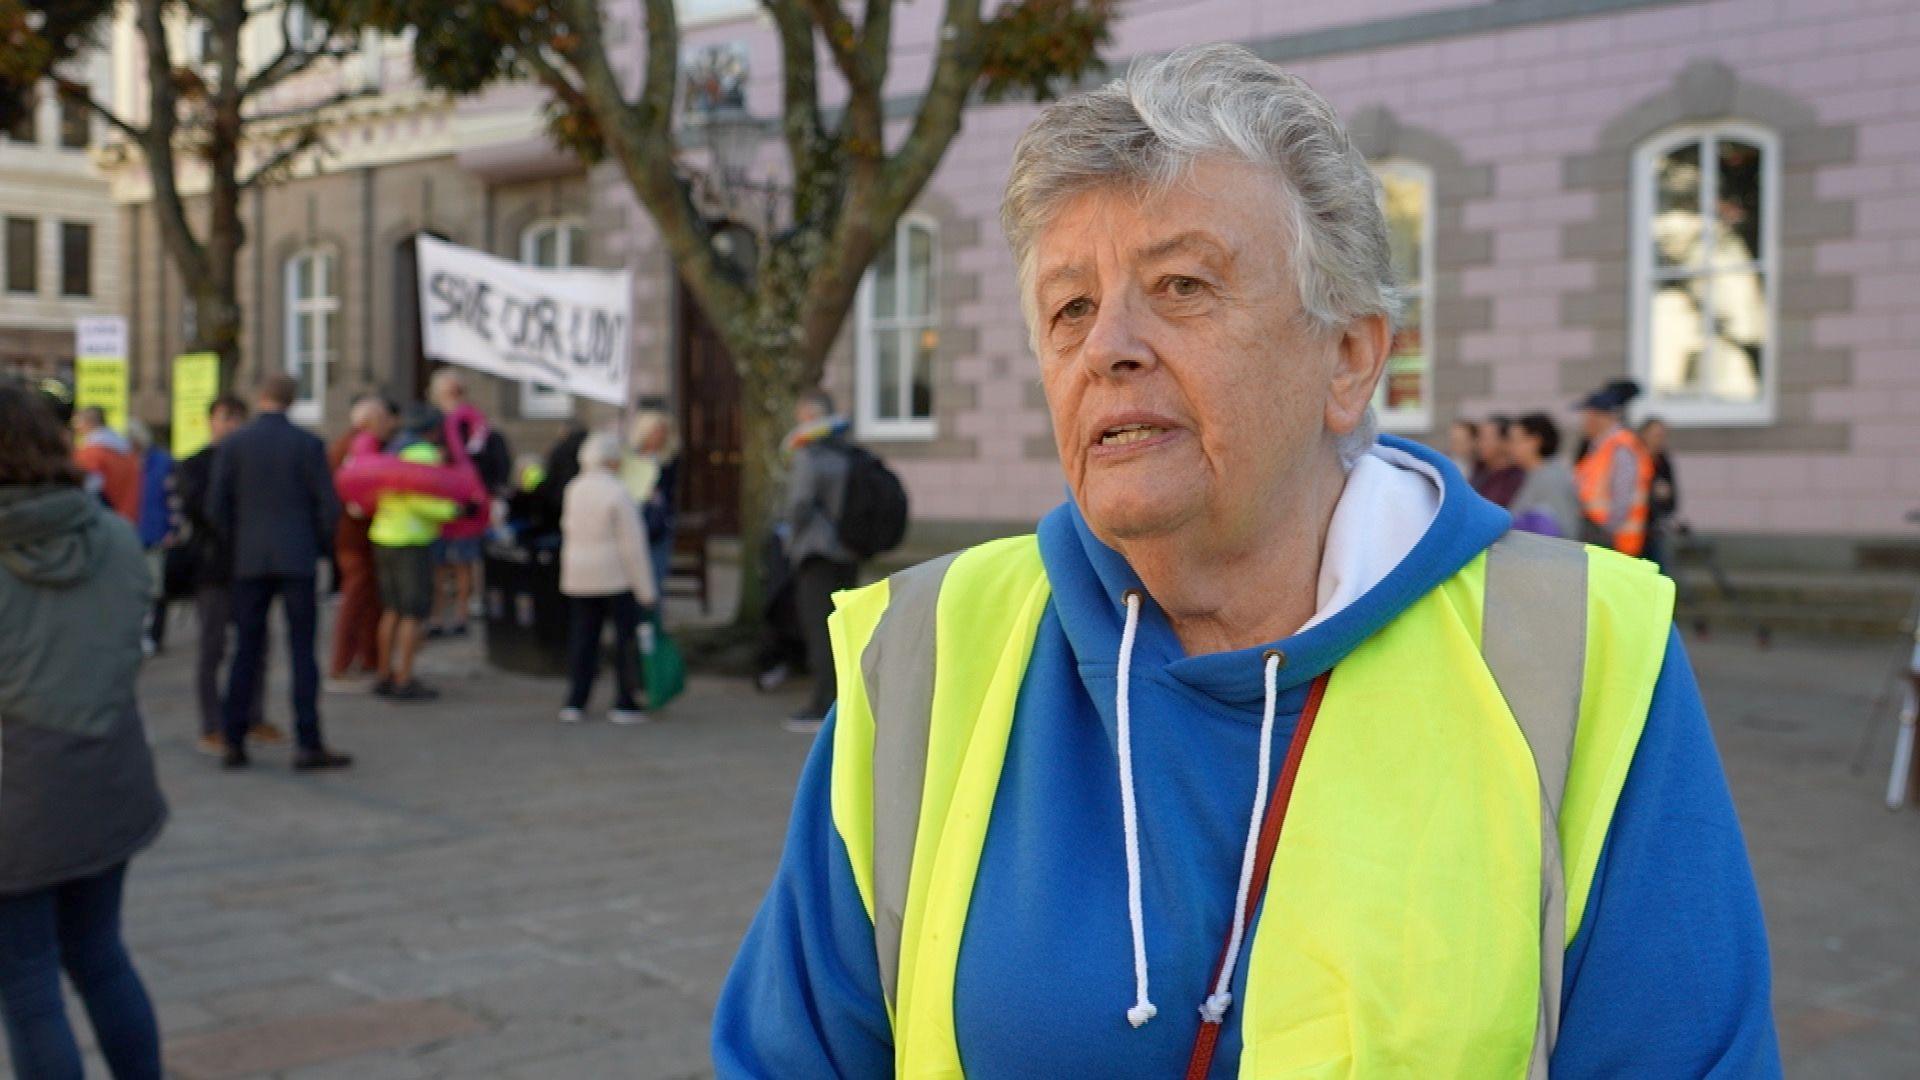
x,y
1115,345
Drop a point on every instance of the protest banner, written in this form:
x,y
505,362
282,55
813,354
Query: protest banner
x,y
568,329
196,382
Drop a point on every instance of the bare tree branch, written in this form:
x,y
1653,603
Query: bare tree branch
x,y
157,142
77,91
843,40
268,170
809,154
955,68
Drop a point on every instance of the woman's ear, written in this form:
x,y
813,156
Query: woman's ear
x,y
1360,356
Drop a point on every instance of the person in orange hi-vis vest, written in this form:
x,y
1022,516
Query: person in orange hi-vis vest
x,y
1616,473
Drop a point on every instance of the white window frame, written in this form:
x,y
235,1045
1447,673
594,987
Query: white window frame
x,y
544,402
1683,412
313,409
867,420
1419,419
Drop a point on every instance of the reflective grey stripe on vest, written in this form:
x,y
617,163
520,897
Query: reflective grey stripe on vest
x,y
902,647
1534,638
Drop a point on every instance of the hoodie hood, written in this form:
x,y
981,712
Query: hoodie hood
x,y
109,439
50,536
1407,521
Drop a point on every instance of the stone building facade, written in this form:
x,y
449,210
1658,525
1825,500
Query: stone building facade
x,y
1715,197
59,235
327,278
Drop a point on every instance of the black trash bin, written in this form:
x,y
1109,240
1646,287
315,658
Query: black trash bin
x,y
526,615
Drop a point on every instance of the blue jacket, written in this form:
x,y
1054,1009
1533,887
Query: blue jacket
x,y
1668,976
272,499
156,518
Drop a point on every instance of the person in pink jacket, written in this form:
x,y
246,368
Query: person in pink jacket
x,y
457,555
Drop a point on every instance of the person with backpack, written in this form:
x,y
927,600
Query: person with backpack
x,y
843,506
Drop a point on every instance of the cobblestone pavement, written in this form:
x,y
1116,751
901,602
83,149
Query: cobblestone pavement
x,y
489,894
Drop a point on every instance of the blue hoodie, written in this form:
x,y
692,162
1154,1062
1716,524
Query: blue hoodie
x,y
1668,976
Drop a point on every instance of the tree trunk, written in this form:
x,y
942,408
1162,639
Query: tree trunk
x,y
766,413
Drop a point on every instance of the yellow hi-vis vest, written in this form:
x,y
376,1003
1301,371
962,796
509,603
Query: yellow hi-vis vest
x,y
1442,837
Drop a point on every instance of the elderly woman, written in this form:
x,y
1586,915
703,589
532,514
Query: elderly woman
x,y
1261,759
606,574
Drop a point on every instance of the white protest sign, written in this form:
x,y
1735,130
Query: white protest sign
x,y
568,329
100,335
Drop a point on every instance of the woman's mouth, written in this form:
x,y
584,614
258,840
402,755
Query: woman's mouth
x,y
1127,434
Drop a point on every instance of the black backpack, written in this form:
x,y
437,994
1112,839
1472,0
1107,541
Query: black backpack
x,y
873,517
494,462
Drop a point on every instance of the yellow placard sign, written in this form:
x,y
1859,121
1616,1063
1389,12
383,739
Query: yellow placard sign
x,y
196,382
102,381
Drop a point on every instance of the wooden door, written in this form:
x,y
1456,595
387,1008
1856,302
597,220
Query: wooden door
x,y
709,421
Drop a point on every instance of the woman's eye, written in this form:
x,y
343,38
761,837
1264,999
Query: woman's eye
x,y
1185,286
1075,308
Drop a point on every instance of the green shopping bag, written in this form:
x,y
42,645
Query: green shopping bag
x,y
663,671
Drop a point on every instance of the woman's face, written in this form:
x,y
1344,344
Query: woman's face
x,y
1460,442
1654,435
1185,383
1523,447
1492,445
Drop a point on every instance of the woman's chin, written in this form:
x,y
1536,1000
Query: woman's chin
x,y
1138,512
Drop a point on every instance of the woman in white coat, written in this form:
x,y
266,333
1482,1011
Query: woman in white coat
x,y
606,574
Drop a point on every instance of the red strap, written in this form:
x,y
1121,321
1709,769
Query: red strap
x,y
1204,1043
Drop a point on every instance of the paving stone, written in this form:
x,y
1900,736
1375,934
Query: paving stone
x,y
288,1043
531,901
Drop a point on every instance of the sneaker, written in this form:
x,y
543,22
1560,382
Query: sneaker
x,y
456,631
627,717
804,723
266,734
211,745
309,760
435,633
571,715
770,679
412,693
383,688
233,757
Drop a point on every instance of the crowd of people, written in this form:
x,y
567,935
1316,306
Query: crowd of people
x,y
1616,488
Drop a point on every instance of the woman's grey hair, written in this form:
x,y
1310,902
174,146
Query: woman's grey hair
x,y
1146,130
600,450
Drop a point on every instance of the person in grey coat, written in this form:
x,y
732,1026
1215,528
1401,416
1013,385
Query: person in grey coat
x,y
1548,501
78,797
810,520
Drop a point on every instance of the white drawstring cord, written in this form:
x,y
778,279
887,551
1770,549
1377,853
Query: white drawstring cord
x,y
1217,1003
1143,1010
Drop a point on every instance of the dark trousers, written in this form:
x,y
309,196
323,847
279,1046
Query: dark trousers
x,y
356,624
252,599
814,583
587,615
213,608
74,925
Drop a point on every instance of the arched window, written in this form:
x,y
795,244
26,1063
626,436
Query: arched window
x,y
1404,398
899,335
553,243
311,325
1705,232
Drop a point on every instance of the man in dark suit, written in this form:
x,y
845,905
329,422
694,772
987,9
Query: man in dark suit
x,y
201,562
272,498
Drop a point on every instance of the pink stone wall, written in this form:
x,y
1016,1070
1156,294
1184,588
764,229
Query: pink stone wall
x,y
1527,103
